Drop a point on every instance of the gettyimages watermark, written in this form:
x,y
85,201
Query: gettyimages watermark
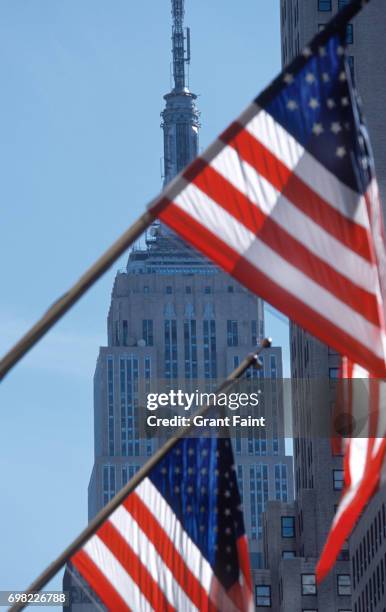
x,y
195,400
251,405
254,408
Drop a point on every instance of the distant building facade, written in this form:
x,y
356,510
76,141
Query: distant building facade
x,y
294,534
368,557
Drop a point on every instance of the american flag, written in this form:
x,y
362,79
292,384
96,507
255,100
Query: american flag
x,y
281,201
363,403
178,541
286,200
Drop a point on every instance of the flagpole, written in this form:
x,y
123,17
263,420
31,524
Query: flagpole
x,y
64,303
63,558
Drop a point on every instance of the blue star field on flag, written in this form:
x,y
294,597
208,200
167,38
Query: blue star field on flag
x,y
320,109
198,480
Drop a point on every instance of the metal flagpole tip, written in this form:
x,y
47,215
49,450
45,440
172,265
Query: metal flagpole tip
x,y
266,343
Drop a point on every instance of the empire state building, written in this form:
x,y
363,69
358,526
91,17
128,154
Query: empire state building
x,y
175,317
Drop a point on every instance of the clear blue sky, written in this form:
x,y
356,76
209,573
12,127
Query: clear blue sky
x,y
81,91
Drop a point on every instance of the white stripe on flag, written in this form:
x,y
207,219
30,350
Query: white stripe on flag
x,y
146,552
207,212
110,567
318,241
191,554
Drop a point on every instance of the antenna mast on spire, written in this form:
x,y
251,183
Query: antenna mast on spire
x,y
180,118
178,41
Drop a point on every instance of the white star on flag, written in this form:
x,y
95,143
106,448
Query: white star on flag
x,y
317,129
336,127
341,151
291,105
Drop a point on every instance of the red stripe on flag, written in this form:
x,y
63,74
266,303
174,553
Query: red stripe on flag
x,y
265,287
134,567
301,195
346,522
292,250
167,551
98,582
242,549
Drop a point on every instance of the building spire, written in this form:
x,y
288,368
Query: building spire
x,y
180,119
178,40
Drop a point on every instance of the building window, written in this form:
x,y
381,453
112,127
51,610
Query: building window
x,y
232,333
128,381
349,34
324,6
110,389
208,290
308,584
147,372
338,479
125,333
258,489
146,289
287,526
188,290
281,493
344,584
108,483
342,3
254,335
147,331
263,595
169,289
116,335
288,554
230,289
261,328
171,367
190,347
210,357
272,364
333,373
